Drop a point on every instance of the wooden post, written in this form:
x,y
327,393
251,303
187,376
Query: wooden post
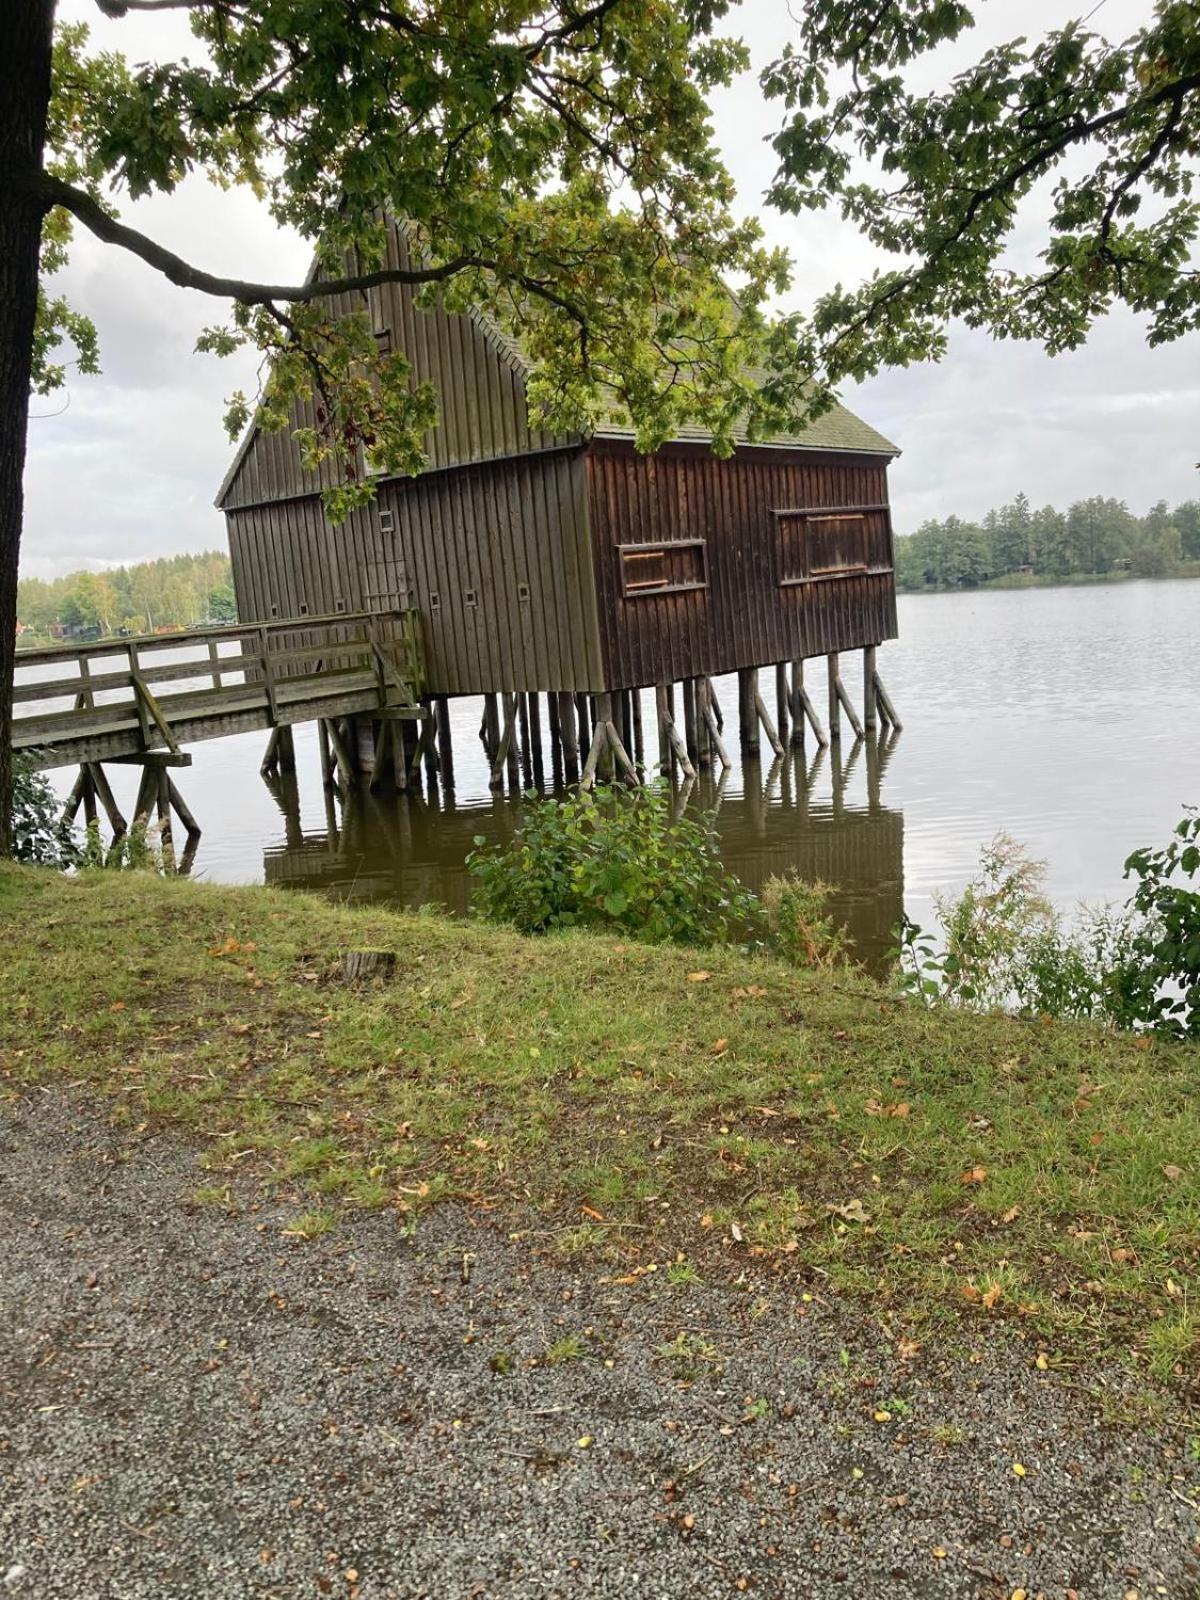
x,y
804,710
287,750
688,691
270,761
535,738
747,710
848,707
491,728
441,709
568,726
347,767
181,810
324,751
89,797
870,705
714,727
764,717
796,702
639,743
526,750
108,800
782,700
885,704
835,705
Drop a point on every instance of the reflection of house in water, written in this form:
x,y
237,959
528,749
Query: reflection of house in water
x,y
826,823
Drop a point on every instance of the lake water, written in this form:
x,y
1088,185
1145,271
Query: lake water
x,y
1065,717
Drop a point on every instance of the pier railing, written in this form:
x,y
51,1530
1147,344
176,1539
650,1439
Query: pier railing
x,y
117,699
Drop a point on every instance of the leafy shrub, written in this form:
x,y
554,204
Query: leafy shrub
x,y
138,850
1003,944
800,927
616,860
39,835
1158,983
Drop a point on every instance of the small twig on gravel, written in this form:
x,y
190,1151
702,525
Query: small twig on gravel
x,y
1186,1499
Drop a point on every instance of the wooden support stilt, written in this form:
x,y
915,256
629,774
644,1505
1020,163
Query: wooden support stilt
x,y
606,741
384,753
504,746
747,710
535,739
74,799
568,725
143,809
526,751
848,708
835,704
804,710
716,705
582,709
287,749
782,701
108,800
341,754
191,826
588,776
445,741
885,704
670,743
714,727
764,716
270,760
639,743
164,817
870,699
688,690
325,753
491,727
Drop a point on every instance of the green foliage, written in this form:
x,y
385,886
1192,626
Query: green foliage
x,y
1002,945
138,850
801,929
554,166
613,859
172,591
1094,537
1101,135
1160,981
38,834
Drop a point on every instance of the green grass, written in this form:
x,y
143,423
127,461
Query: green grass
x,y
955,1172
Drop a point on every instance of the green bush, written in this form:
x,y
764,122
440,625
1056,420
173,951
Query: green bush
x,y
618,860
39,835
1158,984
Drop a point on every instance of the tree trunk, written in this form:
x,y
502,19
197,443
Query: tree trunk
x,y
24,98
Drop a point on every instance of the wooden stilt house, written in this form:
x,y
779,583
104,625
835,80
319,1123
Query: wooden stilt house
x,y
570,565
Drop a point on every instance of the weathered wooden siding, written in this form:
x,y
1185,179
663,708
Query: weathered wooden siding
x,y
744,616
496,558
480,386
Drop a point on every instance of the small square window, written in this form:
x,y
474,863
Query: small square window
x,y
339,605
303,611
435,601
274,611
522,591
383,341
469,598
387,522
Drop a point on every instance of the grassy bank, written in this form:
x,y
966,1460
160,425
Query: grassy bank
x,y
686,1112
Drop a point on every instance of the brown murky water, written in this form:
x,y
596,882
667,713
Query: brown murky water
x,y
1066,717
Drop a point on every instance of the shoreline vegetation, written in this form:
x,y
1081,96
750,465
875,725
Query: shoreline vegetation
x,y
1015,546
1046,580
700,1113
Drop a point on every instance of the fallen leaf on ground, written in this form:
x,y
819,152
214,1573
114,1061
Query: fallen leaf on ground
x,y
973,1175
698,977
1170,1170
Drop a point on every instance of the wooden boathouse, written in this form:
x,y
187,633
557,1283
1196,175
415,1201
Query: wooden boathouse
x,y
576,567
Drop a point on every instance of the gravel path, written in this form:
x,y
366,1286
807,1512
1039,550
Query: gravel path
x,y
192,1404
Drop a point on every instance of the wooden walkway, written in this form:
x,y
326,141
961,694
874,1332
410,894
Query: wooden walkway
x,y
121,699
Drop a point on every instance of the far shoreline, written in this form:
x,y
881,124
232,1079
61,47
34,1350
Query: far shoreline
x,y
1077,580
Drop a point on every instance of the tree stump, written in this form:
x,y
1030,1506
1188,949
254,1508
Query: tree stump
x,y
361,964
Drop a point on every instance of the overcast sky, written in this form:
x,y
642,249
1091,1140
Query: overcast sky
x,y
125,466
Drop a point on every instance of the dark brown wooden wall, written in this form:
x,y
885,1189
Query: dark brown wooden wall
x,y
497,559
744,617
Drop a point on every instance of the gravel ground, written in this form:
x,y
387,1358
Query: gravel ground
x,y
193,1404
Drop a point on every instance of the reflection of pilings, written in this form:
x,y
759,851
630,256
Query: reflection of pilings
x,y
535,739
284,790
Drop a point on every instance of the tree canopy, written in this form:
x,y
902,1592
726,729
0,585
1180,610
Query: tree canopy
x,y
1106,135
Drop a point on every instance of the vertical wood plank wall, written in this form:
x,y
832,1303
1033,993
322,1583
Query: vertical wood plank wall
x,y
744,617
497,558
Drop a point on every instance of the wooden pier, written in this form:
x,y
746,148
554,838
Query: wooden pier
x,y
139,701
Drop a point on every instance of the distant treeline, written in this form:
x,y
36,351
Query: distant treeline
x,y
174,591
1092,538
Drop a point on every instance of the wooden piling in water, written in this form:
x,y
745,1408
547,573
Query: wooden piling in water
x,y
748,710
870,701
